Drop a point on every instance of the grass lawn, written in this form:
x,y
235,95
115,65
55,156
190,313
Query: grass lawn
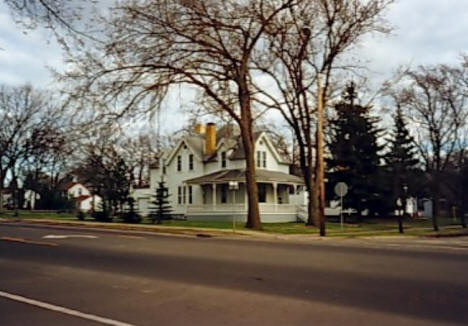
x,y
368,227
26,214
372,227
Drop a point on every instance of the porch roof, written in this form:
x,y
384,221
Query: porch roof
x,y
224,176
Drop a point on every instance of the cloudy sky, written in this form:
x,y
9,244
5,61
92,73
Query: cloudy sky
x,y
425,32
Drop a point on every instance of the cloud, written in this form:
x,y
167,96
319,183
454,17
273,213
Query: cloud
x,y
25,54
425,32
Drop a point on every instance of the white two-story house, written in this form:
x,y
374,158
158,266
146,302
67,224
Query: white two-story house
x,y
200,169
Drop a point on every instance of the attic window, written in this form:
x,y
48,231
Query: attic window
x,y
261,159
191,162
179,163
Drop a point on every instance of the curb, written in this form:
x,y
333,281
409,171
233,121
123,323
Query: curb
x,y
198,232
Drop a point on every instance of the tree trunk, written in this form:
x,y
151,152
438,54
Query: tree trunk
x,y
1,191
1,197
463,220
400,224
435,204
313,209
253,215
435,212
246,127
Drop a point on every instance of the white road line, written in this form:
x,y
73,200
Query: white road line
x,y
63,310
54,236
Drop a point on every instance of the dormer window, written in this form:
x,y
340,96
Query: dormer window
x,y
223,159
179,163
190,160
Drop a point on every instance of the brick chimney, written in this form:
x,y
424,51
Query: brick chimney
x,y
210,138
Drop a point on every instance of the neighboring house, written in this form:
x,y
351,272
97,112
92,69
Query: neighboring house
x,y
200,168
82,195
30,199
76,189
6,196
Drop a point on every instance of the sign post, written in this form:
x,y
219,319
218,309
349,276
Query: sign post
x,y
233,185
341,189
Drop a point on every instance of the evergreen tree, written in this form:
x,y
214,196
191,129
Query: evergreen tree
x,y
161,207
401,160
130,214
355,154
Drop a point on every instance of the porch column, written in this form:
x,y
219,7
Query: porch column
x,y
213,194
185,197
275,195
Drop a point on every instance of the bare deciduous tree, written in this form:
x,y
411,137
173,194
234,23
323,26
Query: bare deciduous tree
x,y
28,132
152,45
307,46
64,18
435,99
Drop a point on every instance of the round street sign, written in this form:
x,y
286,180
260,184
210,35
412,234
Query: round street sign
x,y
341,189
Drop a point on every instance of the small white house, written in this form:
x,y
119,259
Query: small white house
x,y
200,168
76,189
30,199
82,195
6,196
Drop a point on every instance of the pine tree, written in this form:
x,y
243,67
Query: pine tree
x,y
161,207
355,154
131,214
401,160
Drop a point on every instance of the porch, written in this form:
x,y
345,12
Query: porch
x,y
217,201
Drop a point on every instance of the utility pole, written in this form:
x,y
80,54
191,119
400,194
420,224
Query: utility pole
x,y
320,163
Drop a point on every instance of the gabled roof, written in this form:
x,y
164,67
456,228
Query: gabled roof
x,y
239,153
194,143
69,185
228,138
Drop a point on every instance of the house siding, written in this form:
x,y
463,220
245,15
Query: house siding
x,y
202,194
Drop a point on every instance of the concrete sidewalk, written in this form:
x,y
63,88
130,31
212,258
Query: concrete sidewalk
x,y
174,230
449,232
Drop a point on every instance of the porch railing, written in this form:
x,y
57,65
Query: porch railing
x,y
264,208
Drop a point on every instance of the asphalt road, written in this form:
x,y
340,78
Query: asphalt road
x,y
98,278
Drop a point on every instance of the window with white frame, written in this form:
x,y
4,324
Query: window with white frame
x,y
185,194
261,159
190,196
190,159
179,163
179,195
